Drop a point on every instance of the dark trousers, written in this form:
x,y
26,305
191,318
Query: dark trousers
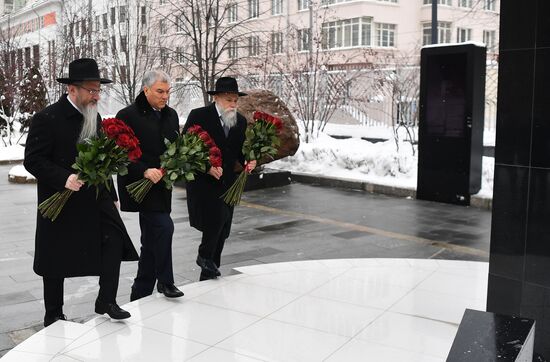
x,y
111,256
155,260
215,234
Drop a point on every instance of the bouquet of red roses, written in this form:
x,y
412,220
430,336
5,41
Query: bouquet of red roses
x,y
190,153
98,158
261,141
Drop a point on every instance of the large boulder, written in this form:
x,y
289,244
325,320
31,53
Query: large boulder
x,y
265,101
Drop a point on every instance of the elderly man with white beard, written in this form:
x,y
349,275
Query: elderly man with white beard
x,y
88,238
207,211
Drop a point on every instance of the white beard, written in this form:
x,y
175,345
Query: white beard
x,y
89,127
229,117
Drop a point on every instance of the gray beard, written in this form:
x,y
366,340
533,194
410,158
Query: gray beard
x,y
89,127
229,118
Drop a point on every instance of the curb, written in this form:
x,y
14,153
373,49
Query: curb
x,y
475,201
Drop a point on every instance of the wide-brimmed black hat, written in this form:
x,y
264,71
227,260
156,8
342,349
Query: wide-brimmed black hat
x,y
81,70
226,85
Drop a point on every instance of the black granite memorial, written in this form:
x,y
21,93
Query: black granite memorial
x,y
488,337
450,132
519,268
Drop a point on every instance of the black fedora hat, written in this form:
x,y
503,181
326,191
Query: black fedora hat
x,y
226,85
81,70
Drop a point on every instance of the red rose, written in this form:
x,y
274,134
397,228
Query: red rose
x,y
215,161
134,154
124,140
204,136
194,129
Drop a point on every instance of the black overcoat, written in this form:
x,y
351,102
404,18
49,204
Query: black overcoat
x,y
203,194
151,132
70,245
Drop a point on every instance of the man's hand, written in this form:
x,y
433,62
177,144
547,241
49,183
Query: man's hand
x,y
153,174
215,172
250,165
73,183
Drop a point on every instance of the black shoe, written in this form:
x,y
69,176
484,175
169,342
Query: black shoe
x,y
112,309
204,276
51,320
208,267
169,290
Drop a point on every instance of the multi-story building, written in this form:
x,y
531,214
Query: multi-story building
x,y
129,36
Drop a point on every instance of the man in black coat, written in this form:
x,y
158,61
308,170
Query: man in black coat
x,y
207,211
88,237
153,122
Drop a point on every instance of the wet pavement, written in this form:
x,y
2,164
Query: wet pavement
x,y
295,222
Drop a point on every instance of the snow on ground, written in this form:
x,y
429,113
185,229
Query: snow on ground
x,y
12,153
19,171
353,158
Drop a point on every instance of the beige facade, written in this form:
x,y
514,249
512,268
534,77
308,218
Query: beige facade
x,y
267,34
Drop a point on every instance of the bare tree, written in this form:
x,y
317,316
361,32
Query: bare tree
x,y
313,80
134,45
208,37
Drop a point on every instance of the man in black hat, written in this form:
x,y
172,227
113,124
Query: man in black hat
x,y
88,237
207,211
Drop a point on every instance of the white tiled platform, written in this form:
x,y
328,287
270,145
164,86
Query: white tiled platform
x,y
323,310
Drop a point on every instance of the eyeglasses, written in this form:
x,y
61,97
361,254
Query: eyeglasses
x,y
93,92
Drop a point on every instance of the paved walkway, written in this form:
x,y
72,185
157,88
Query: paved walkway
x,y
296,222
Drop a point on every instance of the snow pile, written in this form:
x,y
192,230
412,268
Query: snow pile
x,y
356,159
380,163
19,173
12,153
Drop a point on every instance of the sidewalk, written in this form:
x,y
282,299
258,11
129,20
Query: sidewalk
x,y
295,222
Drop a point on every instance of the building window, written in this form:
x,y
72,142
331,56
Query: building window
x,y
489,38
124,43
105,22
489,5
27,57
144,44
303,4
113,45
276,7
253,8
98,49
113,16
77,29
143,15
277,43
385,35
303,39
36,56
347,33
253,45
465,3
180,23
233,49
163,56
162,26
463,34
180,55
232,15
444,32
440,2
123,13
96,23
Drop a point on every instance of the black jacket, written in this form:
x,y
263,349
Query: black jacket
x,y
70,245
203,194
151,132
